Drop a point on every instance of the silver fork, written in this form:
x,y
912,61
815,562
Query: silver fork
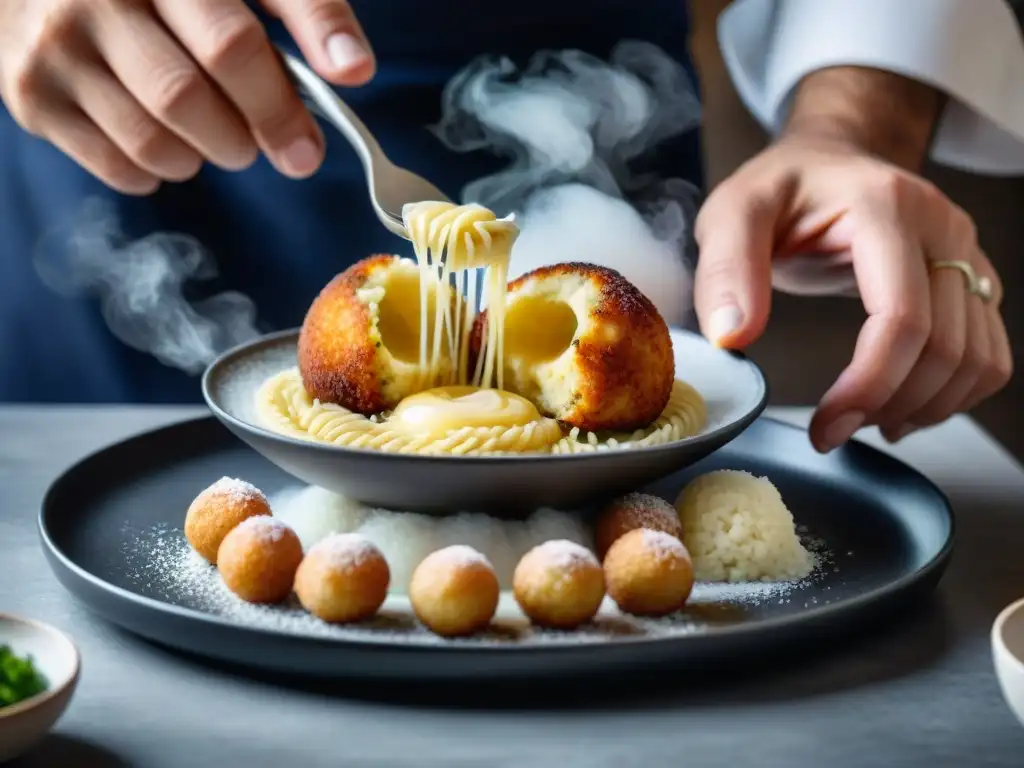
x,y
391,187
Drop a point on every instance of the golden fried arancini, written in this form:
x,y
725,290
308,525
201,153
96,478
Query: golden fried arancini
x,y
217,510
586,346
454,591
634,510
343,578
359,346
559,584
258,560
648,573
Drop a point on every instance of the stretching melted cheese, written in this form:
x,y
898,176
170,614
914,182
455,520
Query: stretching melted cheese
x,y
437,412
471,238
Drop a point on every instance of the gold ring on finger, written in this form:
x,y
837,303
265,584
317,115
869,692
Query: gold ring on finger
x,y
979,285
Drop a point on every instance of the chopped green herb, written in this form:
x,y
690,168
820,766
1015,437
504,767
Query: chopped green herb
x,y
19,678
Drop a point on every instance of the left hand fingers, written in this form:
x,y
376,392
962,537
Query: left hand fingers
x,y
732,286
950,236
987,363
1000,370
894,288
940,360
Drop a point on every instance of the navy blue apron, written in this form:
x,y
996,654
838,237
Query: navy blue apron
x,y
274,239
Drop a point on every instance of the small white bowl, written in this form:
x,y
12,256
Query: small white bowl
x,y
1008,654
24,724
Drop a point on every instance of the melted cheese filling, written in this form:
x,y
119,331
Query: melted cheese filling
x,y
453,244
284,406
437,412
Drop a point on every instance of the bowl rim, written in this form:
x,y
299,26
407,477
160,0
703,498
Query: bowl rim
x,y
53,691
999,641
275,337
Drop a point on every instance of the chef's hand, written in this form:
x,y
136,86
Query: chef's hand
x,y
142,91
929,348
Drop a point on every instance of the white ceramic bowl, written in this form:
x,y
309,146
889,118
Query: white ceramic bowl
x,y
1008,653
24,724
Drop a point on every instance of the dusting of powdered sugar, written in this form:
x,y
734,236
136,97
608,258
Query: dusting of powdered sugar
x,y
344,551
663,546
263,529
648,511
459,556
406,538
236,490
161,565
563,554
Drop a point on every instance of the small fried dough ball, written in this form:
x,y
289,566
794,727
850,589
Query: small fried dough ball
x,y
635,510
648,573
343,578
454,591
258,560
218,509
559,584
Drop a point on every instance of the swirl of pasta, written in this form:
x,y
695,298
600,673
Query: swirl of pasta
x,y
685,415
284,406
470,236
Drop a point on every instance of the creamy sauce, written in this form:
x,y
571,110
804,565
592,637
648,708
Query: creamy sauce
x,y
470,238
438,411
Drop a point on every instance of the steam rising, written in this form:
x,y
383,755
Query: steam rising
x,y
139,285
574,128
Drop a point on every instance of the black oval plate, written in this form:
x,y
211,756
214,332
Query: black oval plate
x,y
889,530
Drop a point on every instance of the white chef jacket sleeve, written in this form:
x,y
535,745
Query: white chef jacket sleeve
x,y
973,50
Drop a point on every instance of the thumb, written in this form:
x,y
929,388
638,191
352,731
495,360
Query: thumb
x,y
732,289
330,38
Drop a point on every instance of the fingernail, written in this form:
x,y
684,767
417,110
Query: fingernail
x,y
842,429
301,157
895,435
903,431
723,323
346,51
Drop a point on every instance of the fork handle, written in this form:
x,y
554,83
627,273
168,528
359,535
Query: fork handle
x,y
334,109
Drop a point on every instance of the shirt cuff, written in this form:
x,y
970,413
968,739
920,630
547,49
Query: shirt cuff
x,y
973,50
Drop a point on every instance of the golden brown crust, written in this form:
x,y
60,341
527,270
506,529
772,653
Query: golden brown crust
x,y
339,594
644,577
258,570
213,514
453,599
558,595
625,381
337,358
627,513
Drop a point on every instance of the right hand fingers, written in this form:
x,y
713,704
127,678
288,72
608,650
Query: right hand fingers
x,y
228,41
330,37
120,66
82,141
147,143
39,104
171,85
